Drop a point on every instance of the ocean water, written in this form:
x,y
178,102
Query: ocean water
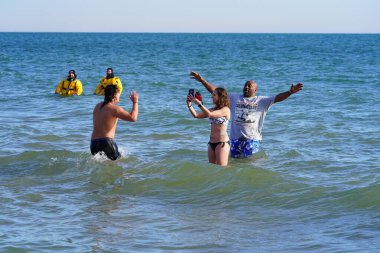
x,y
315,186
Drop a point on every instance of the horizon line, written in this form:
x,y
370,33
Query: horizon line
x,y
195,32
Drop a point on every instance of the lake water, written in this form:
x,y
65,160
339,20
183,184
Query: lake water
x,y
315,186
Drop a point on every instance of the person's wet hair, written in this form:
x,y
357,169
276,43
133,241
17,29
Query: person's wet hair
x,y
110,75
223,99
109,94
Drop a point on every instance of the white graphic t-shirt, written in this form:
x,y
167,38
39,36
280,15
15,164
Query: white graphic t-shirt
x,y
248,115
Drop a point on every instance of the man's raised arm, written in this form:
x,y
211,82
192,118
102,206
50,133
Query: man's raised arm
x,y
284,95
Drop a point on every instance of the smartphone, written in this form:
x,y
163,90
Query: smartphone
x,y
191,92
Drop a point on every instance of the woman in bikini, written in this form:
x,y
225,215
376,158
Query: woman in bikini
x,y
219,144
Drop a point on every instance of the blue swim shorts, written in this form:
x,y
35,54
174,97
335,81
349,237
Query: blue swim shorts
x,y
244,148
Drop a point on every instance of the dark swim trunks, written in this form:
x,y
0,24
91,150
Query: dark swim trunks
x,y
106,145
213,145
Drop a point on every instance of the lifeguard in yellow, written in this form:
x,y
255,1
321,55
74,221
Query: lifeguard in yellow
x,y
109,79
70,86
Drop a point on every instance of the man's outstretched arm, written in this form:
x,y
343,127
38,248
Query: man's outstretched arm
x,y
284,95
209,86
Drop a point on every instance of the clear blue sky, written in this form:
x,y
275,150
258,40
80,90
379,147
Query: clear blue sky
x,y
246,16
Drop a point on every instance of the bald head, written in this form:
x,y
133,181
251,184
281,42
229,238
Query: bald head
x,y
250,88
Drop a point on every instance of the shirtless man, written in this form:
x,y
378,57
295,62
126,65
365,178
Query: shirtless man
x,y
105,117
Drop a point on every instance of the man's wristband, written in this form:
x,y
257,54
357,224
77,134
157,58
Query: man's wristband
x,y
200,105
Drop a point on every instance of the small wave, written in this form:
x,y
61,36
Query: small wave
x,y
185,181
41,162
48,137
165,136
367,197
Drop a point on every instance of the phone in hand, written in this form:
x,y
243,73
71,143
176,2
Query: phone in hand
x,y
191,92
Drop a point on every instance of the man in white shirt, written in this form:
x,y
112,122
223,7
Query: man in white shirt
x,y
248,112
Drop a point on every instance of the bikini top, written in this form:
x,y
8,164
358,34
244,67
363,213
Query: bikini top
x,y
218,121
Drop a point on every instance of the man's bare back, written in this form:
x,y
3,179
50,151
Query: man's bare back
x,y
105,117
105,121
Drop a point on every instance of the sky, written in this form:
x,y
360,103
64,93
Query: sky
x,y
198,16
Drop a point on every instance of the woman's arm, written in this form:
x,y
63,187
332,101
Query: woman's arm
x,y
223,112
200,115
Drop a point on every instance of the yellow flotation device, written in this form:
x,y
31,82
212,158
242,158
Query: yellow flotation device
x,y
69,88
105,82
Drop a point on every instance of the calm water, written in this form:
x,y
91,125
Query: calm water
x,y
315,187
